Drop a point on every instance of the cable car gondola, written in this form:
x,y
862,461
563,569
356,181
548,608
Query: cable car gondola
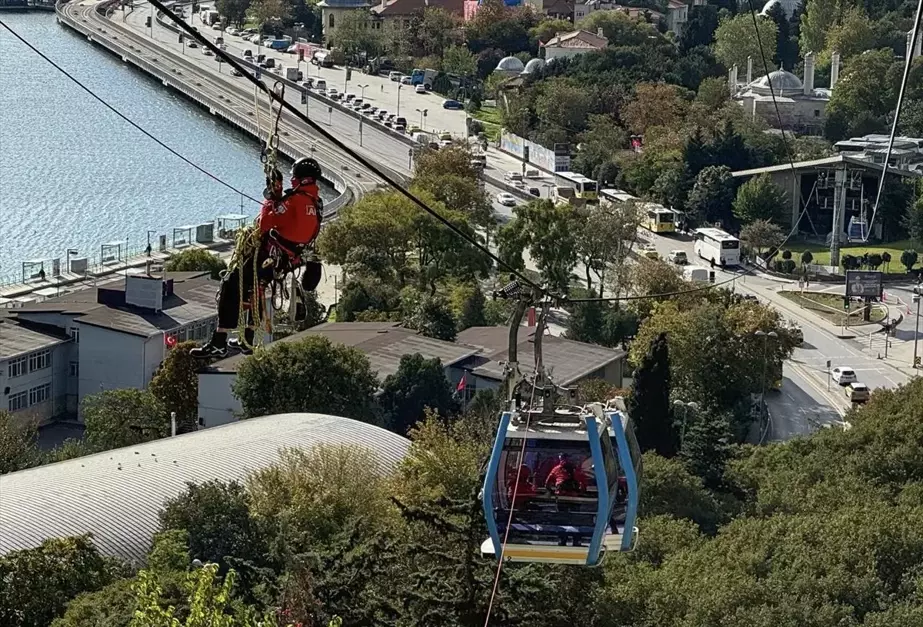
x,y
556,477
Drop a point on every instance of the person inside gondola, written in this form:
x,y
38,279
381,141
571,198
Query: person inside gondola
x,y
566,478
522,487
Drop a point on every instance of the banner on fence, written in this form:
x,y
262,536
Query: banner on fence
x,y
556,160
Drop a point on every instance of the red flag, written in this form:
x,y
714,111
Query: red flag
x,y
170,341
461,384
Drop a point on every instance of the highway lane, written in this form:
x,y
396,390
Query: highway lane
x,y
800,407
216,88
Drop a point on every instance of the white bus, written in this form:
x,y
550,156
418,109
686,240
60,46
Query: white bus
x,y
586,188
717,247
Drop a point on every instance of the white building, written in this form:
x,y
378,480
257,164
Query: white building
x,y
567,45
801,105
55,352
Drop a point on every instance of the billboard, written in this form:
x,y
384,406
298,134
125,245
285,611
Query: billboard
x,y
863,283
557,160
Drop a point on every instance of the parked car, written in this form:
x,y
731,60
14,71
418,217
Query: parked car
x,y
405,80
193,44
452,104
535,191
332,93
371,111
235,72
395,76
349,97
844,375
650,252
857,392
207,52
398,121
320,84
420,89
678,257
506,199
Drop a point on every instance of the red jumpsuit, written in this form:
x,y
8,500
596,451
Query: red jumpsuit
x,y
295,217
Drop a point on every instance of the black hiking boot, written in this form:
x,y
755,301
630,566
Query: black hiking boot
x,y
209,351
244,347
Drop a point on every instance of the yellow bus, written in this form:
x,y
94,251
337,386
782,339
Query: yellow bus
x,y
584,187
659,219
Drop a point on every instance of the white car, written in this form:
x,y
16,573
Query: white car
x,y
506,199
844,375
420,89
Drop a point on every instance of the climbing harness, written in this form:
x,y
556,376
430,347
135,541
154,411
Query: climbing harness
x,y
249,240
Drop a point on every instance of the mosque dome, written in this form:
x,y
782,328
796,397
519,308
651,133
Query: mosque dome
x,y
783,84
510,64
534,66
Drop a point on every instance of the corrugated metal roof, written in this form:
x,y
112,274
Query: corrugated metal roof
x,y
827,161
116,495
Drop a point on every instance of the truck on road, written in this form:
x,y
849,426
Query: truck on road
x,y
293,74
423,77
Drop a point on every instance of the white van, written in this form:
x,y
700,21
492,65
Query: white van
x,y
513,177
695,275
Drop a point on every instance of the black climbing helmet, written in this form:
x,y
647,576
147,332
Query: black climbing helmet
x,y
306,168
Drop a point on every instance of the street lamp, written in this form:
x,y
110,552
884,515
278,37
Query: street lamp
x,y
765,336
422,113
362,90
399,86
677,404
917,292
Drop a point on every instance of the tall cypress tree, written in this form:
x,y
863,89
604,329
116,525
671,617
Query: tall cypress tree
x,y
649,404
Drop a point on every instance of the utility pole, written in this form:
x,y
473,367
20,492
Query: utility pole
x,y
839,207
916,326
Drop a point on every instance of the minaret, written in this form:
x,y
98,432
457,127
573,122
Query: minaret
x,y
749,70
732,81
834,69
809,74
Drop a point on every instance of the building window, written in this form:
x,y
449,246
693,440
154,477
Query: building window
x,y
330,22
74,333
74,370
18,401
39,394
816,113
39,360
17,367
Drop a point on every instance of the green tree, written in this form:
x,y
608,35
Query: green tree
x,y
655,104
216,517
618,28
668,488
865,95
234,11
913,221
649,403
468,303
807,257
760,199
17,444
38,583
265,12
196,260
735,41
711,195
563,104
605,237
908,259
112,606
852,35
762,235
116,418
438,31
418,383
354,34
317,493
547,230
176,386
432,316
818,20
459,60
310,375
786,46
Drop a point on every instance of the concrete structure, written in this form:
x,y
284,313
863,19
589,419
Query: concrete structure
x,y
918,49
789,6
475,358
906,152
113,336
838,191
116,495
568,45
801,105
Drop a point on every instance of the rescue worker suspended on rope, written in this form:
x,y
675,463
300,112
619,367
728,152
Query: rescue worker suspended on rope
x,y
289,221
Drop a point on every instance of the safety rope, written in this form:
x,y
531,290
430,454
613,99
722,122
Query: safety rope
x,y
249,241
